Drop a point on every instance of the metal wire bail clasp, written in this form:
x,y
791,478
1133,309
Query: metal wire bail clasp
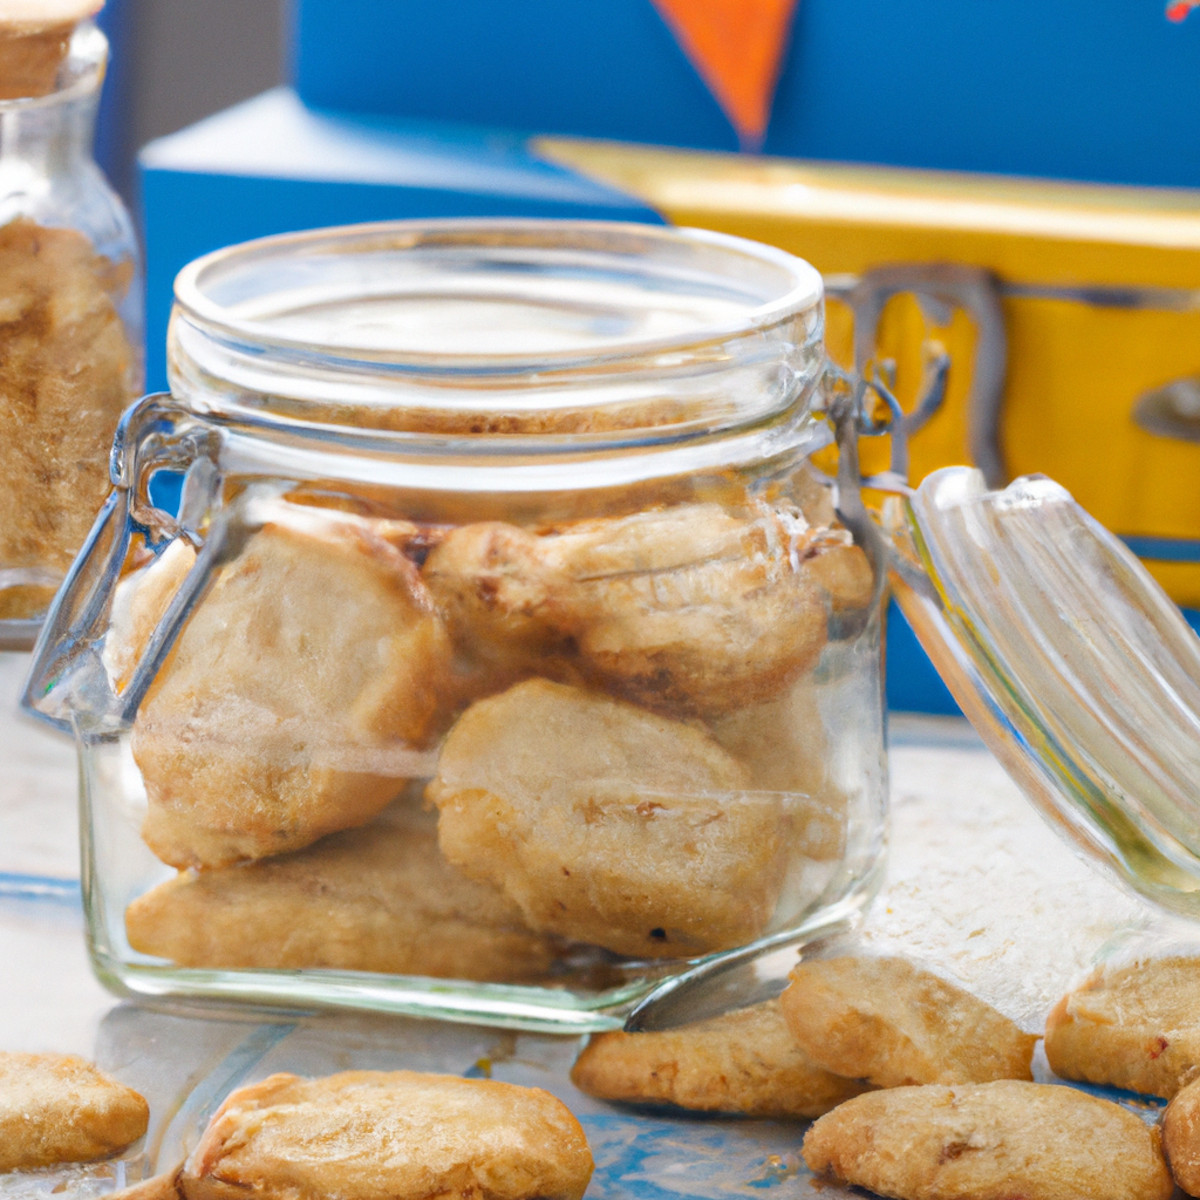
x,y
939,288
66,684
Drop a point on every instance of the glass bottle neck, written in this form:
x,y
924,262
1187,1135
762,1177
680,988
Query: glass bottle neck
x,y
46,141
50,136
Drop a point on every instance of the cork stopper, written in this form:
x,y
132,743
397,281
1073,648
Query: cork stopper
x,y
34,38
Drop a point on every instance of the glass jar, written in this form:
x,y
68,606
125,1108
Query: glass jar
x,y
70,331
507,653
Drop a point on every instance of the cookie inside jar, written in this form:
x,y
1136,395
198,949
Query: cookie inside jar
x,y
499,750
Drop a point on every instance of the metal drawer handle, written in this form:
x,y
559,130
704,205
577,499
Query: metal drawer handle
x,y
1172,410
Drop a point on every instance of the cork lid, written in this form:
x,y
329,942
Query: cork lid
x,y
35,36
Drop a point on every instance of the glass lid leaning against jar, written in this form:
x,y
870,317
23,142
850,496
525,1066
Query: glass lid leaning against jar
x,y
509,659
70,314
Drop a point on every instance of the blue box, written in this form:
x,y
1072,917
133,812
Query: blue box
x,y
1105,91
270,165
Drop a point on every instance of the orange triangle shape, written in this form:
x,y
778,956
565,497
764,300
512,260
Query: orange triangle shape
x,y
737,47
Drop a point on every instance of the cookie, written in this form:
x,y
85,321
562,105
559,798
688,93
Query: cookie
x,y
140,601
890,1023
783,743
692,609
56,1108
1135,1027
493,585
403,1135
296,698
1181,1137
377,898
830,559
609,824
741,1062
989,1141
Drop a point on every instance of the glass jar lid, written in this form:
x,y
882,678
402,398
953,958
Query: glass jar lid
x,y
1076,668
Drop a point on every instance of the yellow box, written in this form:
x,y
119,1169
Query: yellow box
x,y
1088,295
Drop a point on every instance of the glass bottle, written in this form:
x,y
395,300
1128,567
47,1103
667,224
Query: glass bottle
x,y
70,329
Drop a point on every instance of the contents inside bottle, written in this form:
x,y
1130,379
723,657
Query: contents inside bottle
x,y
67,372
500,751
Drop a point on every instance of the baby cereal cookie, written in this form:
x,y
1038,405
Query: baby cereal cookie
x,y
609,824
374,1135
493,585
783,744
744,1062
56,1108
892,1024
830,559
989,1141
140,601
294,699
1181,1137
1135,1027
689,609
376,898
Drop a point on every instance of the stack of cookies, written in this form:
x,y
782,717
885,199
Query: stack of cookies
x,y
474,751
924,1092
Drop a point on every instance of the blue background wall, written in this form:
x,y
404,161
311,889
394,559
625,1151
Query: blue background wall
x,y
1104,90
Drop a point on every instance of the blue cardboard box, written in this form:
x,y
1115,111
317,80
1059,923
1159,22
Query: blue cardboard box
x,y
270,165
1104,91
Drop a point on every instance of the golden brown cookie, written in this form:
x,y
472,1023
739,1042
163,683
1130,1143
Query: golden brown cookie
x,y
140,601
493,584
56,1108
690,609
1006,1140
377,898
741,1062
784,745
1181,1137
296,698
831,560
1135,1027
890,1023
609,824
400,1135
67,371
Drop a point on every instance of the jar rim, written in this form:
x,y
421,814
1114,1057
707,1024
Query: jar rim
x,y
804,288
